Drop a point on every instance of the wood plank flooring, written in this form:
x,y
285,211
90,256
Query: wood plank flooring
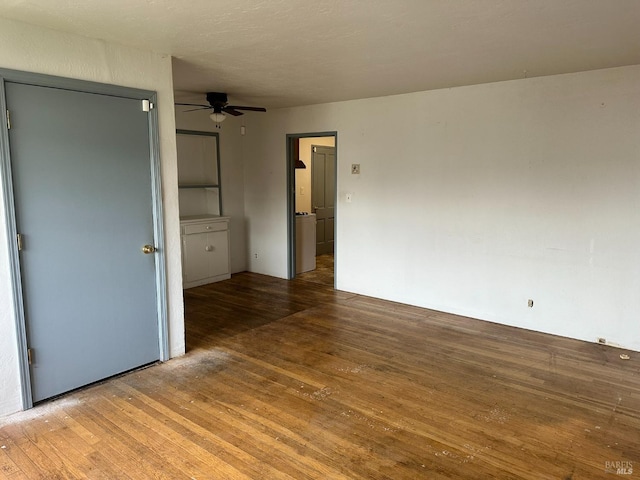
x,y
293,380
323,272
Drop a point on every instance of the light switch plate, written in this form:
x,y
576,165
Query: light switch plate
x,y
355,169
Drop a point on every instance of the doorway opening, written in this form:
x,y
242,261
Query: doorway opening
x,y
311,199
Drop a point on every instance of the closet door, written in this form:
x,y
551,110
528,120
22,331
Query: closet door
x,y
82,188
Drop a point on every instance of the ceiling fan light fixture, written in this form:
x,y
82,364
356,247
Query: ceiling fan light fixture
x,y
217,117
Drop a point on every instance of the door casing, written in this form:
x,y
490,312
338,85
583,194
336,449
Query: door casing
x,y
9,205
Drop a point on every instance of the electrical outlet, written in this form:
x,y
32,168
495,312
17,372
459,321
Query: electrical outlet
x,y
355,169
255,255
530,303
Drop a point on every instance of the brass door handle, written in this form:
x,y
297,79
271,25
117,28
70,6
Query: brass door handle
x,y
147,249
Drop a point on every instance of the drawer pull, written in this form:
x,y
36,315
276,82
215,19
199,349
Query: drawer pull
x,y
209,248
208,227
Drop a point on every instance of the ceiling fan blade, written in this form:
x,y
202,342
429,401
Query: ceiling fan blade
x,y
252,109
196,109
232,111
193,105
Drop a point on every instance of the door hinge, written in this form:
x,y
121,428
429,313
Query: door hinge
x,y
147,106
315,150
20,241
30,355
8,120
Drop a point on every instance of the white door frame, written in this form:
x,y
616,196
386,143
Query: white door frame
x,y
7,185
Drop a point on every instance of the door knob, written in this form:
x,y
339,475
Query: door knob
x,y
147,249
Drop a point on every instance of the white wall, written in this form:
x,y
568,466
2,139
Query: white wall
x,y
231,176
472,200
35,49
303,175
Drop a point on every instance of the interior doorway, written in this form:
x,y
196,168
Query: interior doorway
x,y
311,193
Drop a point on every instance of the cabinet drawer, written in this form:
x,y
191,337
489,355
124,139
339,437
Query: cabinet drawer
x,y
205,227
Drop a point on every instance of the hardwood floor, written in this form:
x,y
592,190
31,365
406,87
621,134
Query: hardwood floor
x,y
323,274
296,380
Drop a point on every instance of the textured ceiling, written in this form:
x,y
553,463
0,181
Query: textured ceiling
x,y
278,53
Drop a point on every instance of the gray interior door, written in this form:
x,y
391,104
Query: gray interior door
x,y
323,194
83,202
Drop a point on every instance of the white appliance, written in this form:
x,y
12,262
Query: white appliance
x,y
305,242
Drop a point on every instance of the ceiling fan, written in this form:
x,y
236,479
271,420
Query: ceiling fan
x,y
219,104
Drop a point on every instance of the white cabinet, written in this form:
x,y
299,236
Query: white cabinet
x,y
305,243
205,234
205,250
